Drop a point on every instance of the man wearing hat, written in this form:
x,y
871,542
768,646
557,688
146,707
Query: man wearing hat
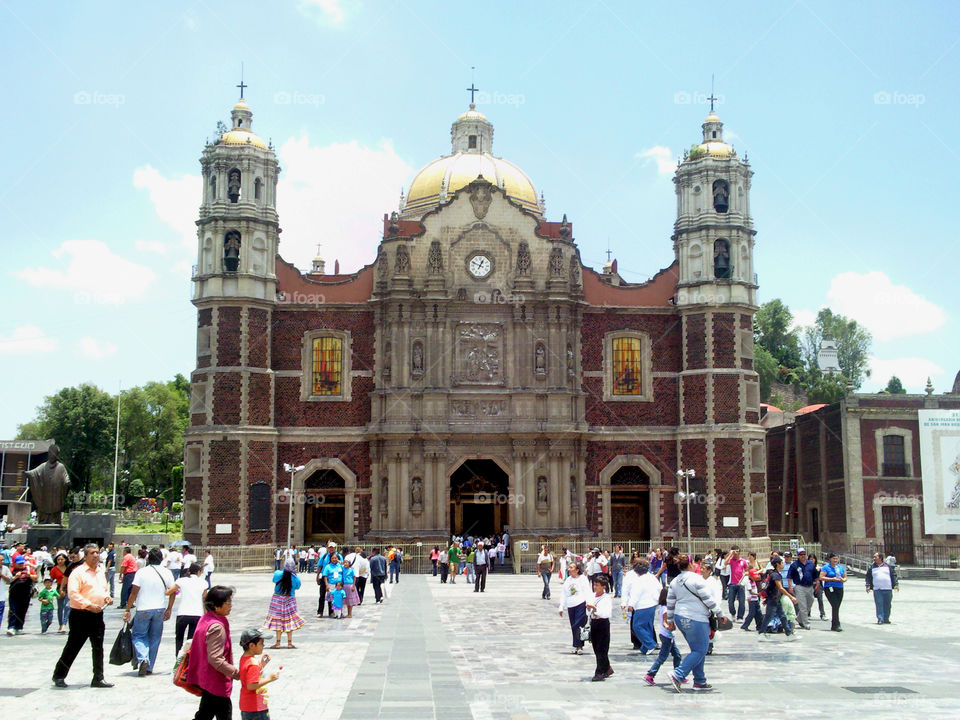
x,y
802,575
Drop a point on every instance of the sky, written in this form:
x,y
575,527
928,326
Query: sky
x,y
848,119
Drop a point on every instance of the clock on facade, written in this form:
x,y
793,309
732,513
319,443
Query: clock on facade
x,y
479,266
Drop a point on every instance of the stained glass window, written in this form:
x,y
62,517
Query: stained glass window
x,y
327,365
627,366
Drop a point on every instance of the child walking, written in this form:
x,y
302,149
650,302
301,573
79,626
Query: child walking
x,y
667,645
753,611
253,693
337,597
600,607
47,597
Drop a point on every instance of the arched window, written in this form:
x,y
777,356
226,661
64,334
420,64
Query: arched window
x,y
327,365
721,196
213,188
627,366
231,251
257,185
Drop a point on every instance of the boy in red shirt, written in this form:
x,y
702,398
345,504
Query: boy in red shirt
x,y
253,695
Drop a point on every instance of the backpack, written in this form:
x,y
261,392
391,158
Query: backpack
x,y
763,585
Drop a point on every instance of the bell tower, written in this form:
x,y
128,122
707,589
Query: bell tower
x,y
716,296
230,447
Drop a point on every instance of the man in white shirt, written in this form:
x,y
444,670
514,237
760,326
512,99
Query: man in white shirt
x,y
312,560
174,562
154,606
188,558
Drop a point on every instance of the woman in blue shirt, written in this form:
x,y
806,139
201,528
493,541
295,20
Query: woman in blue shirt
x,y
832,577
282,616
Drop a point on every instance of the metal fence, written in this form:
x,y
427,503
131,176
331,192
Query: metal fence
x,y
924,556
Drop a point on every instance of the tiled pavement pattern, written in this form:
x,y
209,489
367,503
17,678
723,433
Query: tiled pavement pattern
x,y
444,652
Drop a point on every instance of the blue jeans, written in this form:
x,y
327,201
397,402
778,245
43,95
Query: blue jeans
x,y
775,609
394,571
667,648
257,715
642,624
736,593
63,607
3,607
883,599
125,589
546,585
753,615
111,574
617,582
578,618
147,630
471,577
46,618
697,635
499,558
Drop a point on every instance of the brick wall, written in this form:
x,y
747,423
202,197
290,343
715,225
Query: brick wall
x,y
290,325
258,337
228,337
776,443
726,398
724,340
226,398
663,330
290,410
696,342
873,455
260,468
664,410
259,398
224,495
728,485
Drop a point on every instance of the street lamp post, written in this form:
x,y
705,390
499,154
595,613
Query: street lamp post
x,y
686,475
289,492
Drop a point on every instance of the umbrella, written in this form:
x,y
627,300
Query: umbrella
x,y
178,543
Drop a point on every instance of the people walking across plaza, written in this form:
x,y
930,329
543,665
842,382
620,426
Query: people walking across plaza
x,y
337,597
89,594
545,565
173,562
211,665
642,603
6,577
574,594
48,601
110,566
833,575
481,563
188,602
802,575
470,556
754,614
736,586
818,587
128,570
396,561
435,559
618,562
18,596
59,575
882,581
153,608
453,557
600,608
689,606
443,561
775,591
282,616
378,574
668,647
208,567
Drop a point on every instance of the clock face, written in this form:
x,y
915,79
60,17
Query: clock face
x,y
480,266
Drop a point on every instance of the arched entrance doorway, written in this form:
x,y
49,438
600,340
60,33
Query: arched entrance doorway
x,y
630,504
479,499
324,494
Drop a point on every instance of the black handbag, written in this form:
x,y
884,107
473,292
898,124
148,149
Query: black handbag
x,y
122,651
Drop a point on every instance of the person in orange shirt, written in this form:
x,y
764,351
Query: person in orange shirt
x,y
128,568
89,594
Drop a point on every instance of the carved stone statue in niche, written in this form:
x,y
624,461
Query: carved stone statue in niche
x,y
435,258
387,358
416,495
403,260
541,490
480,198
571,372
393,229
540,360
233,185
382,264
565,228
573,493
574,270
416,358
384,497
523,260
556,263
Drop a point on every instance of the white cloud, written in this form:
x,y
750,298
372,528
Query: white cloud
x,y
665,160
803,318
27,340
95,349
93,272
912,371
152,246
887,310
336,195
326,12
175,200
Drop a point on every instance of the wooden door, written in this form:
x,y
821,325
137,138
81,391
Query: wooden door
x,y
898,533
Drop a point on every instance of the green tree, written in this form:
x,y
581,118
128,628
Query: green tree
x,y
895,387
81,421
772,329
766,366
853,347
153,419
136,489
827,389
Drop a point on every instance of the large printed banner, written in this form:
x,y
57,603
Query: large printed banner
x,y
940,460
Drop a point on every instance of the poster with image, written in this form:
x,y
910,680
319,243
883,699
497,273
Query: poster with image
x,y
940,460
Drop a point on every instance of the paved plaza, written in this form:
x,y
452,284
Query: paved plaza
x,y
445,652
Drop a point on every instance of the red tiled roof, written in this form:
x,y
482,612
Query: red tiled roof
x,y
810,408
656,292
770,408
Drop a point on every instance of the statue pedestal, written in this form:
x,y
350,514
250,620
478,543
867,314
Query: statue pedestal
x,y
47,535
84,528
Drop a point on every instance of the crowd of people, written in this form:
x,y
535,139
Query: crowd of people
x,y
665,591
472,557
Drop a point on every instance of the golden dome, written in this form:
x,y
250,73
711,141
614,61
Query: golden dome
x,y
716,148
441,178
242,136
472,114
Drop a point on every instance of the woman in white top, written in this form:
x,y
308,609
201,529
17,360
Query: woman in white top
x,y
716,592
600,606
689,606
208,568
628,578
574,593
189,605
545,570
642,602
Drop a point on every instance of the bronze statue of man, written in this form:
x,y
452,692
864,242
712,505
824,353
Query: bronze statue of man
x,y
48,487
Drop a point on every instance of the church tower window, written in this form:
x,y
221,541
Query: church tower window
x,y
231,251
472,142
721,258
327,365
213,188
257,188
627,366
233,185
721,196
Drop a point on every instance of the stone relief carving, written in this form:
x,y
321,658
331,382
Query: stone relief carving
x,y
393,229
403,260
574,270
556,263
542,491
382,265
480,198
416,358
384,496
474,408
540,359
479,353
571,371
435,258
416,495
523,260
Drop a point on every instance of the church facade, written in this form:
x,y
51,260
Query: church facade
x,y
475,376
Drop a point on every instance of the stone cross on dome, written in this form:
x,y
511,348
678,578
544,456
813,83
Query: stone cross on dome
x,y
472,90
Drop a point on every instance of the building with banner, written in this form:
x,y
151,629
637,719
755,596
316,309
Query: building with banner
x,y
16,457
475,376
872,471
